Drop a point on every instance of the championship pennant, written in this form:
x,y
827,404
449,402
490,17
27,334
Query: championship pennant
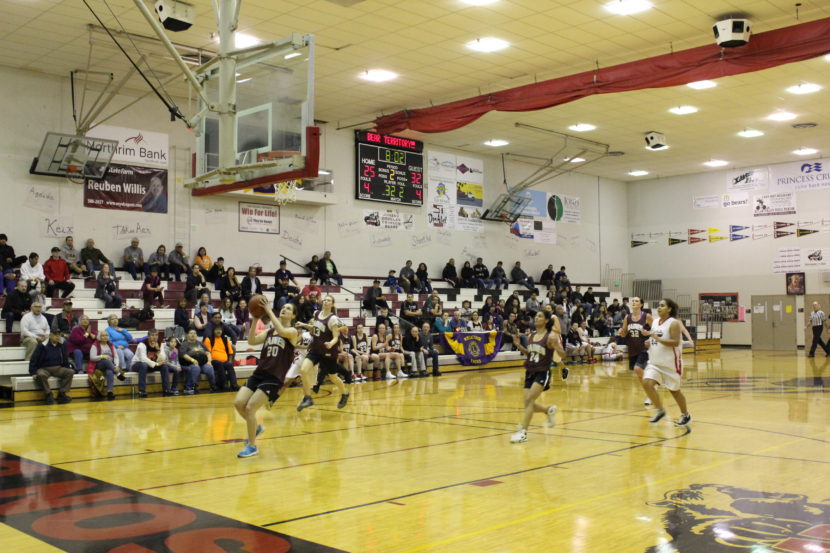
x,y
783,233
675,241
804,232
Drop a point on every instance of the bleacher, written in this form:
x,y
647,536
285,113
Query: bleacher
x,y
18,386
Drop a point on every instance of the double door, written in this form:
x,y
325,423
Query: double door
x,y
774,322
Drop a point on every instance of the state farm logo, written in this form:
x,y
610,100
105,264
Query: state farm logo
x,y
137,139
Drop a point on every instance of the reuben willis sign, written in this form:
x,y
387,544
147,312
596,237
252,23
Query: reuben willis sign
x,y
129,189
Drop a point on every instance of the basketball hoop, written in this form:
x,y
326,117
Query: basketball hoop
x,y
285,192
74,174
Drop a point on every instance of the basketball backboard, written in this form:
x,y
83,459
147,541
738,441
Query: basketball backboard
x,y
66,155
507,208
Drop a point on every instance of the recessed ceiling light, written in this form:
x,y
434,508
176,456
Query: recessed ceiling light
x,y
750,133
582,127
378,75
715,163
291,55
244,40
702,85
683,110
495,143
804,88
576,160
638,173
805,151
782,116
487,44
479,2
628,7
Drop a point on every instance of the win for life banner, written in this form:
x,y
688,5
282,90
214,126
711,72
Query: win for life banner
x,y
129,189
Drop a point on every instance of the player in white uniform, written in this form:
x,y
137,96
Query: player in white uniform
x,y
300,351
665,361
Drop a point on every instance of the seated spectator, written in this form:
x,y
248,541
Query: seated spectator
x,y
51,359
73,258
383,319
579,315
311,287
201,320
562,315
394,352
428,348
450,275
7,280
547,277
170,356
65,321
32,273
204,299
243,317
498,276
410,312
80,340
327,270
588,300
251,285
560,279
574,346
34,329
408,279
152,289
306,306
532,305
392,282
422,275
181,317
160,259
412,348
107,288
179,263
442,324
380,341
433,308
481,274
510,329
474,324
203,260
457,324
195,359
17,303
133,259
513,303
94,259
57,275
284,293
283,272
614,307
313,266
8,261
195,285
221,358
518,276
106,360
120,338
40,297
230,286
373,298
217,272
148,359
487,307
467,276
228,317
599,320
585,336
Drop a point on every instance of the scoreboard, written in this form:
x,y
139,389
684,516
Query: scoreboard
x,y
389,168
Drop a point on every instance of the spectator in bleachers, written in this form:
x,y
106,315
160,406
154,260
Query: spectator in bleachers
x,y
146,360
600,320
243,317
32,273
94,259
57,275
217,273
7,280
412,347
203,260
428,348
518,276
394,352
195,359
34,329
65,321
152,289
230,286
510,328
410,312
408,279
181,318
578,315
513,303
201,319
80,340
170,356
133,258
487,307
195,284
422,274
562,315
498,276
467,276
497,319
221,358
251,285
392,282
40,297
466,310
8,260
379,343
614,307
383,319
283,272
106,359
449,273
575,297
228,317
442,324
547,277
284,293
179,263
363,356
306,306
560,279
474,324
588,300
73,257
457,324
107,288
533,305
313,266
574,346
51,359
160,259
311,287
433,308
625,307
327,270
585,335
373,298
481,274
121,339
204,299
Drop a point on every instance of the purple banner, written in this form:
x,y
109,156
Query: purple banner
x,y
473,348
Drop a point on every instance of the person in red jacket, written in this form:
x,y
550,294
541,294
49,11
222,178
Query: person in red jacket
x,y
57,275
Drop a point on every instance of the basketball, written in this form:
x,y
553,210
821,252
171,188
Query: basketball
x,y
256,305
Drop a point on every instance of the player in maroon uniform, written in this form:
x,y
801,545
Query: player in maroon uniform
x,y
268,378
541,345
636,341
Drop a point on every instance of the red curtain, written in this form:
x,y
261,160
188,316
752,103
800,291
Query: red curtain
x,y
773,48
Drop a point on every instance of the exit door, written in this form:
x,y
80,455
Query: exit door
x,y
773,322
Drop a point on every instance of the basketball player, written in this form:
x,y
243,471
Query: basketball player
x,y
300,352
379,342
541,345
633,326
665,361
323,354
270,373
361,347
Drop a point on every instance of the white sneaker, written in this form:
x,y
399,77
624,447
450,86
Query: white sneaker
x,y
389,375
551,412
402,374
519,437
647,402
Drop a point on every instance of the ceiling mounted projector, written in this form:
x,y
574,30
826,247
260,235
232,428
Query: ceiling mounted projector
x,y
731,33
656,141
174,15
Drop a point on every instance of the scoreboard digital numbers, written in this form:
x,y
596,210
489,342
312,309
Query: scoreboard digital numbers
x,y
389,168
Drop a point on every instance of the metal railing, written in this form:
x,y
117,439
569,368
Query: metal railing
x,y
304,268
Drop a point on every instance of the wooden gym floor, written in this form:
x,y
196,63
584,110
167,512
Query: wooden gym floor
x,y
425,464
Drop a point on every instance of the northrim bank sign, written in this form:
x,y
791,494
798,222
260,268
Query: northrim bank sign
x,y
136,147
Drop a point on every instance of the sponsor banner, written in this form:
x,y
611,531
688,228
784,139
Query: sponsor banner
x,y
135,147
469,170
128,188
388,219
259,218
469,194
815,258
567,209
735,199
538,206
441,165
707,202
474,348
774,204
748,179
442,216
787,260
469,219
544,231
442,190
800,176
523,228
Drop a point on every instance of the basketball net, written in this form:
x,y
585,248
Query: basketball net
x,y
285,192
75,175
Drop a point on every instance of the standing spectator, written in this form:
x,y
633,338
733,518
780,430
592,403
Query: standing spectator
x,y
203,260
449,273
152,289
178,261
134,259
327,270
17,303
73,257
408,278
181,317
423,276
283,272
467,276
251,285
103,354
498,276
217,272
195,285
412,348
94,259
57,275
481,274
65,321
428,348
120,338
34,329
410,312
230,286
311,287
373,298
392,283
32,273
518,276
160,259
560,279
51,359
221,358
107,288
547,277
